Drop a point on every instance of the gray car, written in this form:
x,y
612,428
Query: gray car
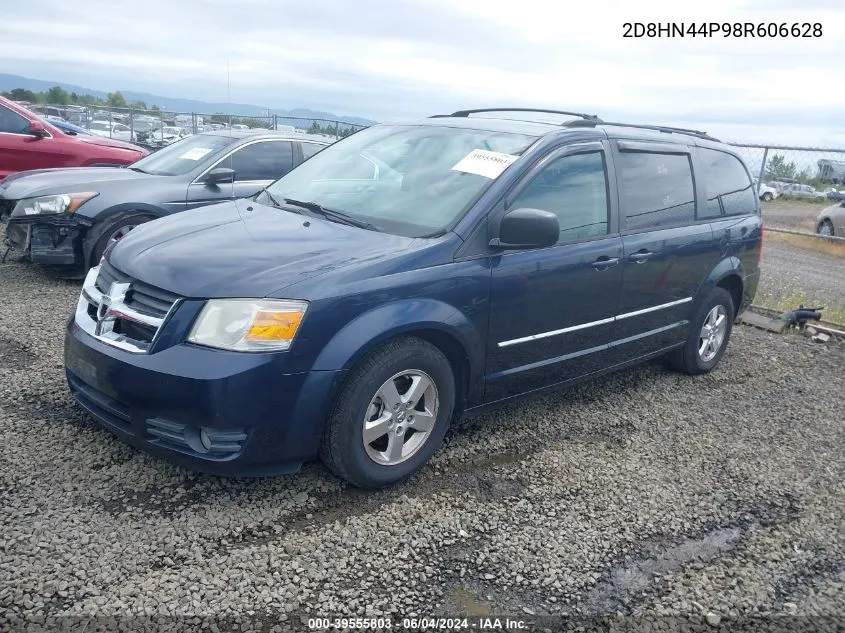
x,y
831,220
68,217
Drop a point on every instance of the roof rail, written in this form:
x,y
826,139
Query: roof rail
x,y
657,128
466,113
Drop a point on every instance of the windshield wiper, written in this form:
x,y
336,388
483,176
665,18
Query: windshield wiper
x,y
332,214
138,169
273,200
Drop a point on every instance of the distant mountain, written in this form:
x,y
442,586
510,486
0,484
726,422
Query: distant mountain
x,y
9,82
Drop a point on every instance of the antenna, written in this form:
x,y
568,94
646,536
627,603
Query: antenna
x,y
229,95
229,108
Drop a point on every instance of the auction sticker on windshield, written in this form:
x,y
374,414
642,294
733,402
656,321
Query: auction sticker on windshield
x,y
196,153
484,163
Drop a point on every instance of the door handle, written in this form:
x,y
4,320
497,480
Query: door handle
x,y
640,257
605,262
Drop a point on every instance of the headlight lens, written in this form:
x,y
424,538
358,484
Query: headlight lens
x,y
60,203
248,325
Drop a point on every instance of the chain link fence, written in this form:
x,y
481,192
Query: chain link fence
x,y
800,266
156,128
793,173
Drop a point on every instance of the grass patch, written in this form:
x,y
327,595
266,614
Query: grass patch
x,y
786,301
810,203
806,242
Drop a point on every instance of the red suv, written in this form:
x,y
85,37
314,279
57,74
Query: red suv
x,y
29,142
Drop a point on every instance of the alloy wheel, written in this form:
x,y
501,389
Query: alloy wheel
x,y
712,333
400,417
120,233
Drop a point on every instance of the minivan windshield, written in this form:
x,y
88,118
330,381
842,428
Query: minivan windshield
x,y
182,156
401,178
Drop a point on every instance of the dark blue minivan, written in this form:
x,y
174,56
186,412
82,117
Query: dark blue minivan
x,y
407,274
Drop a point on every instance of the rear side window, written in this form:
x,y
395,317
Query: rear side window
x,y
656,189
12,122
268,160
574,188
729,189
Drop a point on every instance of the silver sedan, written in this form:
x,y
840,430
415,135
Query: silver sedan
x,y
831,221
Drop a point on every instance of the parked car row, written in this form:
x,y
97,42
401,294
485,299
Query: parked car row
x,y
69,217
797,190
385,284
28,141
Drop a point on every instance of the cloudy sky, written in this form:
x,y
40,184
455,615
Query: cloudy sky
x,y
391,59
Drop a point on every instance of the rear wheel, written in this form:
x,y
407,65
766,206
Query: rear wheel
x,y
391,414
114,233
710,332
768,197
825,228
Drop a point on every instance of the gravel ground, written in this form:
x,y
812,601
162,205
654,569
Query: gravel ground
x,y
645,493
792,275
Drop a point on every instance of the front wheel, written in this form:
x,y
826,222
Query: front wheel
x,y
391,414
114,233
768,197
709,335
825,228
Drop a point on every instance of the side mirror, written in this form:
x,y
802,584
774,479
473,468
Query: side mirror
x,y
527,228
37,129
220,175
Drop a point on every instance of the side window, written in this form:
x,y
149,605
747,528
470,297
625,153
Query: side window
x,y
655,190
729,189
574,188
268,160
309,149
12,122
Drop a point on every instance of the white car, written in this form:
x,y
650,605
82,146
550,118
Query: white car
x,y
767,193
807,192
168,134
109,129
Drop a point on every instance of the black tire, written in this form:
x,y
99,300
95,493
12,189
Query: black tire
x,y
768,197
687,358
342,448
825,224
110,230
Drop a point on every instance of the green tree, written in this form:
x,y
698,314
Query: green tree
x,y
21,94
117,100
58,96
778,168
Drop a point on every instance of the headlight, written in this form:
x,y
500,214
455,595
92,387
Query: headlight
x,y
248,325
61,203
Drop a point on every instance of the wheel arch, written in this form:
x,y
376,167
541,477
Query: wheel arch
x,y
729,274
107,217
435,322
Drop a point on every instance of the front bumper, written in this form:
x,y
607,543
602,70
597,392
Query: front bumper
x,y
53,240
257,419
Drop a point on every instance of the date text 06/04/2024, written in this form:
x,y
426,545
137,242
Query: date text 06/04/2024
x,y
722,29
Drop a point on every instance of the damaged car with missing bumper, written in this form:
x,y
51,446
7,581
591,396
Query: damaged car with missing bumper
x,y
407,274
67,217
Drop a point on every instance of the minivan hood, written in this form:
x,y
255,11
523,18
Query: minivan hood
x,y
244,249
28,184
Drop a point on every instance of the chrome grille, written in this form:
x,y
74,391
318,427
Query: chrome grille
x,y
121,311
141,296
